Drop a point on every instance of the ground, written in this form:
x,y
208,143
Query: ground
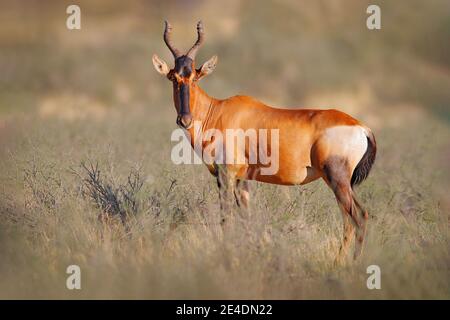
x,y
85,137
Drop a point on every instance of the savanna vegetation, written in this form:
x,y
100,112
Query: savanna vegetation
x,y
87,178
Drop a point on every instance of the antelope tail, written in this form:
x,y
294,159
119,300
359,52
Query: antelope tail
x,y
365,164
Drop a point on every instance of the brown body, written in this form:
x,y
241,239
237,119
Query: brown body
x,y
301,154
313,144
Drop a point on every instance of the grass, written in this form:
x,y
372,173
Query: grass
x,y
171,245
87,179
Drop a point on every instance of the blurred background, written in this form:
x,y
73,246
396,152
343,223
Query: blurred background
x,y
71,95
285,52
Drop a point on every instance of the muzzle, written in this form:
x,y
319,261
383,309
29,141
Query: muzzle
x,y
184,120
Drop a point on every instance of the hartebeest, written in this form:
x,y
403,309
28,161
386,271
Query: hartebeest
x,y
327,144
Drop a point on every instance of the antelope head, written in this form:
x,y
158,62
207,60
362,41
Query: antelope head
x,y
184,75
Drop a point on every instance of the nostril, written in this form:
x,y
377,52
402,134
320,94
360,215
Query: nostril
x,y
186,120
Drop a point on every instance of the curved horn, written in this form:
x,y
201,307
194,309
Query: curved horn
x,y
167,30
200,38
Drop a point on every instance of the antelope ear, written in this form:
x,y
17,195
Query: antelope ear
x,y
160,65
207,67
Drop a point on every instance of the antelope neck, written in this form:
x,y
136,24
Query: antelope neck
x,y
203,107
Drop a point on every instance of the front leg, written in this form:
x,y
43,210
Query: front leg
x,y
242,194
226,183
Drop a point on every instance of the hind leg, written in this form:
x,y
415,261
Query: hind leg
x,y
349,234
338,176
364,216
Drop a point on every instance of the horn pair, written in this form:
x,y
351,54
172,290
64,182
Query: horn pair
x,y
193,51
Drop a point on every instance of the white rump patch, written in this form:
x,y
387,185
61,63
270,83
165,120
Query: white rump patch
x,y
349,142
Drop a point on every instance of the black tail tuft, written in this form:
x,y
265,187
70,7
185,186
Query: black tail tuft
x,y
365,164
